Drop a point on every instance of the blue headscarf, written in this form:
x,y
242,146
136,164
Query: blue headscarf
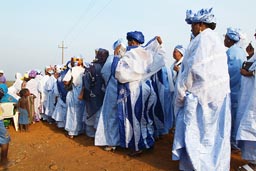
x,y
202,16
233,34
5,96
180,48
117,43
135,35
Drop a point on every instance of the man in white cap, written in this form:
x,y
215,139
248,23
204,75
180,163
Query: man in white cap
x,y
2,77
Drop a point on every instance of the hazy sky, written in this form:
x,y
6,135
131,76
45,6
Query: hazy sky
x,y
32,30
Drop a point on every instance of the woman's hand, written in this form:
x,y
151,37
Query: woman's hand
x,y
159,40
246,73
176,68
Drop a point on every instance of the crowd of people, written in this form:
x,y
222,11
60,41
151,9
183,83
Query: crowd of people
x,y
130,97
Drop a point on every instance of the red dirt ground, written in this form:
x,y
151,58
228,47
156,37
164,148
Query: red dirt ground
x,y
46,147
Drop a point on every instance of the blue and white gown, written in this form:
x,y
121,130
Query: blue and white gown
x,y
246,116
75,107
107,132
136,95
60,112
202,104
236,56
49,98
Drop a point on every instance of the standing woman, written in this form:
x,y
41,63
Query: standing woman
x,y
203,100
136,96
178,53
246,113
75,107
236,55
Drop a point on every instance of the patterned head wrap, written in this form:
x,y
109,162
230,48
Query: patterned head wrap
x,y
202,16
32,74
117,43
135,35
181,49
77,61
233,34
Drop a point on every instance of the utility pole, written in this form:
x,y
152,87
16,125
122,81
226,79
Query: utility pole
x,y
62,47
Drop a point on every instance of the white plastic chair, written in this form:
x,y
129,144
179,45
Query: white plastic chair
x,y
8,112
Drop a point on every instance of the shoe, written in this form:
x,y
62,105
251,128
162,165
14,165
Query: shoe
x,y
135,153
7,165
110,148
70,136
247,167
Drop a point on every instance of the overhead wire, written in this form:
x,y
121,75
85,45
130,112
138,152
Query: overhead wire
x,y
71,36
92,19
78,21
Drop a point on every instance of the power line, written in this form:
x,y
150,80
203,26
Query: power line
x,y
90,6
92,19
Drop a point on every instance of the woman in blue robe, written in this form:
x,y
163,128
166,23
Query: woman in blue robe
x,y
236,55
136,95
246,115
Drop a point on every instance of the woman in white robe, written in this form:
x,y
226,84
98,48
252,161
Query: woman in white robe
x,y
16,87
202,142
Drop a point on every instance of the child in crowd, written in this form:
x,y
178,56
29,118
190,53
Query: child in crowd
x,y
23,108
4,139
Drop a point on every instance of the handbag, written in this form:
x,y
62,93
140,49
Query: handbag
x,y
246,65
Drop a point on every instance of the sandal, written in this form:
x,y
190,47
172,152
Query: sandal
x,y
247,167
70,136
7,165
110,148
135,153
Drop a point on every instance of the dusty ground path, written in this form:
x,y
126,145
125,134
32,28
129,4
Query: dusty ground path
x,y
46,148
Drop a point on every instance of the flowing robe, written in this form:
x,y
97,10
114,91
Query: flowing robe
x,y
32,85
136,95
59,114
107,132
75,107
202,106
49,98
236,56
246,115
16,87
